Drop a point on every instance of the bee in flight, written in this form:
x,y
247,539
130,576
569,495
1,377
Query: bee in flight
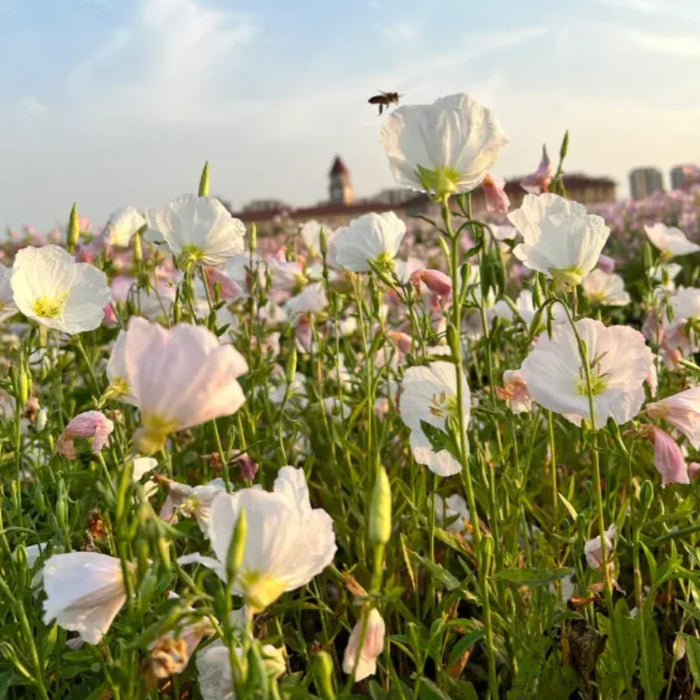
x,y
384,99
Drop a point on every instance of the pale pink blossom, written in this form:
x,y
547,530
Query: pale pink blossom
x,y
90,424
179,377
372,646
514,392
539,181
435,280
497,201
593,548
681,410
668,458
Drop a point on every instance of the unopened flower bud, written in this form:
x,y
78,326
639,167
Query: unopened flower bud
x,y
204,181
73,229
380,510
323,675
236,549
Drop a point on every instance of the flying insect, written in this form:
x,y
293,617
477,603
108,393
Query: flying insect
x,y
384,100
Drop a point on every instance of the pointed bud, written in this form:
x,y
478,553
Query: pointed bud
x,y
204,181
380,510
73,229
564,146
323,675
236,549
138,251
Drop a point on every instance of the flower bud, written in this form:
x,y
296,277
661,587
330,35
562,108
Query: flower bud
x,y
323,675
372,646
138,251
204,181
380,510
73,229
236,549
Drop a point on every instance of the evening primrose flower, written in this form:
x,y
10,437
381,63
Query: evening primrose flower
x,y
619,360
7,302
122,225
560,239
85,591
372,238
197,229
669,459
670,241
90,424
50,288
539,181
593,548
606,289
444,148
287,541
682,411
429,396
372,646
179,377
117,372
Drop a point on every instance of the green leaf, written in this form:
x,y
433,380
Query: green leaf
x,y
5,681
469,640
531,577
439,439
438,572
429,690
653,666
692,650
568,506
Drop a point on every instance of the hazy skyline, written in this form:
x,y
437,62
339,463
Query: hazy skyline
x,y
109,103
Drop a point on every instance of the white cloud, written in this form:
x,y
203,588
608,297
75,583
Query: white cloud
x,y
675,44
168,65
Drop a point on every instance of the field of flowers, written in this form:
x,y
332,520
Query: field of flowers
x,y
356,463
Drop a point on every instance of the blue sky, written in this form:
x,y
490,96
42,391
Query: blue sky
x,y
114,102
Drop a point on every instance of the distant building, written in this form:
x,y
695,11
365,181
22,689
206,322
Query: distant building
x,y
340,189
680,175
273,216
645,181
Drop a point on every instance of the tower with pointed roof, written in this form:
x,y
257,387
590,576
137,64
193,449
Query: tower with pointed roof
x,y
340,189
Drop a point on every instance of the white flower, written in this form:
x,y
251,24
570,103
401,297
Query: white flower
x,y
429,395
593,548
682,411
122,225
199,228
372,646
560,239
52,289
451,513
311,235
287,543
7,302
117,372
619,360
686,303
85,591
670,241
214,669
605,288
192,501
443,148
310,300
370,238
179,377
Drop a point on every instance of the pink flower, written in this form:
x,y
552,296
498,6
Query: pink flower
x,y
435,280
248,466
514,392
91,424
538,182
593,548
497,201
372,647
229,289
668,458
179,377
682,411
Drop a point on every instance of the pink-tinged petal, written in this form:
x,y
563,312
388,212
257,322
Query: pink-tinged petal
x,y
497,201
668,458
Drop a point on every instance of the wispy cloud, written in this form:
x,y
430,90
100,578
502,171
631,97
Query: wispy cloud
x,y
675,44
167,65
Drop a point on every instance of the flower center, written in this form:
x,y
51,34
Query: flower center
x,y
566,278
50,307
599,380
440,181
260,590
384,262
151,437
443,405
